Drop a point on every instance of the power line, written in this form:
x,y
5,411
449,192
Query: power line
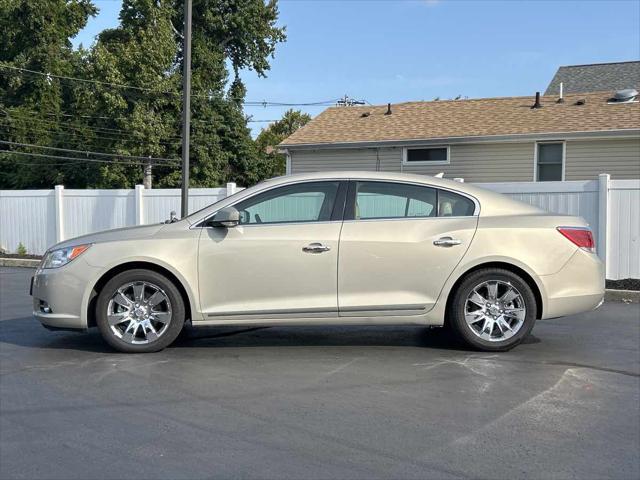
x,y
75,159
82,137
262,103
20,116
68,150
82,131
49,76
106,130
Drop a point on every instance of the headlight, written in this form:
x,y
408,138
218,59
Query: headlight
x,y
62,256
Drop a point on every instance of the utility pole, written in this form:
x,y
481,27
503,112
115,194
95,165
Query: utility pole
x,y
346,101
147,179
186,107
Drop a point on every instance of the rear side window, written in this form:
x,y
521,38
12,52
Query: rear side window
x,y
453,205
393,200
382,200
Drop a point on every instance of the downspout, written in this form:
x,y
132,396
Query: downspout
x,y
288,161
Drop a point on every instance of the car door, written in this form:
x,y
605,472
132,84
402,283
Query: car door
x,y
398,245
281,260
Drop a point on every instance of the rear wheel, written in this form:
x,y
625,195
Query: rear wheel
x,y
140,311
493,309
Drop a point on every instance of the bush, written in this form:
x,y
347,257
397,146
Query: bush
x,y
22,250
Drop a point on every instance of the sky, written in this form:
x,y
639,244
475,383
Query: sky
x,y
393,51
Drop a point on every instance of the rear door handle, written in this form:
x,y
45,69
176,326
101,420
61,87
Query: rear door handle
x,y
446,242
316,248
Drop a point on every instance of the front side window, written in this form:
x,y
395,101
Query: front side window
x,y
393,200
304,202
427,155
550,162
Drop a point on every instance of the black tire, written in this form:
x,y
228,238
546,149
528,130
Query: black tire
x,y
175,302
456,318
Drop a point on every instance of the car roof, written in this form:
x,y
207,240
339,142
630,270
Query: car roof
x,y
364,175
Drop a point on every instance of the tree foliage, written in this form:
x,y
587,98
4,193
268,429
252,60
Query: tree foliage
x,y
271,161
145,52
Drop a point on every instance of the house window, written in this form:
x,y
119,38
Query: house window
x,y
426,155
550,159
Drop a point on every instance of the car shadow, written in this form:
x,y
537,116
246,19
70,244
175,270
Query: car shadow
x,y
27,332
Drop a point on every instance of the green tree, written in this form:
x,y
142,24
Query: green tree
x,y
270,162
144,51
35,34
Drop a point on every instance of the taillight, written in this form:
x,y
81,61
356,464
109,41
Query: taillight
x,y
581,236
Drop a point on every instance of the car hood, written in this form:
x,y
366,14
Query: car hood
x,y
127,233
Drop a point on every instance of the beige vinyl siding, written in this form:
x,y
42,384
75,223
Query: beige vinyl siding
x,y
497,162
485,162
307,161
586,159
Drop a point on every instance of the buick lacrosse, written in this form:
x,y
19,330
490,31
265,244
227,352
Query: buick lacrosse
x,y
328,248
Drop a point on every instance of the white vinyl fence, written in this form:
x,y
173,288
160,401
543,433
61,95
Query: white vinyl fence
x,y
40,218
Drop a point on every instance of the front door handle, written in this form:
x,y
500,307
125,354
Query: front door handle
x,y
316,248
446,242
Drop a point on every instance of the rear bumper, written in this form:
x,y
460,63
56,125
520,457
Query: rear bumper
x,y
578,287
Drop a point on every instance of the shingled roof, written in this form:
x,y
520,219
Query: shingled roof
x,y
595,78
466,118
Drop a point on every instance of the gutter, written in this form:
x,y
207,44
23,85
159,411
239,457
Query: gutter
x,y
590,135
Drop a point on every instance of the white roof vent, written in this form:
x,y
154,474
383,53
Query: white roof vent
x,y
627,95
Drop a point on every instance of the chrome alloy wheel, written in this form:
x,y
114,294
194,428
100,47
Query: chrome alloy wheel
x,y
139,312
495,310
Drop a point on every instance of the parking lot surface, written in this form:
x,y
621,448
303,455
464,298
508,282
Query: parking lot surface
x,y
320,402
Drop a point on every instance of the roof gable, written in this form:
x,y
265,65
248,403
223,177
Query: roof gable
x,y
595,78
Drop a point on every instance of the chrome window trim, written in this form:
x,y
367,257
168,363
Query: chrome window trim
x,y
475,201
476,211
259,192
398,219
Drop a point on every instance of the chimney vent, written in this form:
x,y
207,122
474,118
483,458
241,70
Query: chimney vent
x,y
537,104
561,98
388,112
627,95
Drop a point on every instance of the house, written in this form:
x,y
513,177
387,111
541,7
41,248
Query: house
x,y
481,140
597,77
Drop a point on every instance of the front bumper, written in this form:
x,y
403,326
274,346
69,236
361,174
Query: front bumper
x,y
578,287
65,291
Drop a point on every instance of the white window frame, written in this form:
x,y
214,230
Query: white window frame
x,y
426,147
535,157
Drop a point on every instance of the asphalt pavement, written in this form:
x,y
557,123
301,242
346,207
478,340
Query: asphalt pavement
x,y
320,402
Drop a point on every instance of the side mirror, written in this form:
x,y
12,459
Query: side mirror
x,y
227,217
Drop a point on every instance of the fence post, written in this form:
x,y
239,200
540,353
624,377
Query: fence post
x,y
231,188
604,184
59,212
139,199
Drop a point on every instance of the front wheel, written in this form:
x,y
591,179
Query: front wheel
x,y
493,309
140,311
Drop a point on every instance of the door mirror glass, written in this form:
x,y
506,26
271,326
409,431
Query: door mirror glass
x,y
227,217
